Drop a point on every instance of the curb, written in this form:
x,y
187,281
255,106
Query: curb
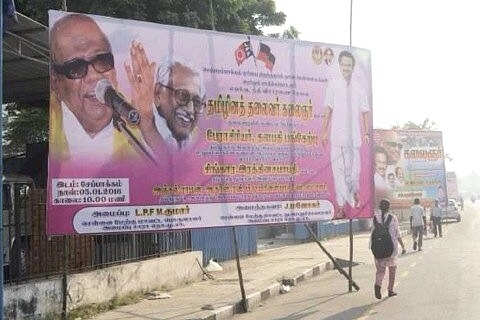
x,y
255,299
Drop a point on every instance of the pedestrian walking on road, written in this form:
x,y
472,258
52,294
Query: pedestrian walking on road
x,y
437,220
390,262
418,224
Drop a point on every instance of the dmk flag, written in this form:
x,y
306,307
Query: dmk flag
x,y
265,55
243,52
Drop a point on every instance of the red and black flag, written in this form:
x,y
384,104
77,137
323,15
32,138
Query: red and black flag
x,y
265,55
243,52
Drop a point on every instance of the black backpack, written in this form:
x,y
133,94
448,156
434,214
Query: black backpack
x,y
381,241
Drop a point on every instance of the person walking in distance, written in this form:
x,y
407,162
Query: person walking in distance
x,y
390,262
437,220
418,224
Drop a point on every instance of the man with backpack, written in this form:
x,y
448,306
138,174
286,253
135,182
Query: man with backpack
x,y
384,242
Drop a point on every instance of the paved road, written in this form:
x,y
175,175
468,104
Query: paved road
x,y
441,282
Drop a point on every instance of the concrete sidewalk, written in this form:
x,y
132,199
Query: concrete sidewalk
x,y
263,274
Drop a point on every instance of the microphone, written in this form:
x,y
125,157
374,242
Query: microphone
x,y
106,94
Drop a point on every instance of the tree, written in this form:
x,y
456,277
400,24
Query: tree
x,y
290,33
427,124
24,124
237,16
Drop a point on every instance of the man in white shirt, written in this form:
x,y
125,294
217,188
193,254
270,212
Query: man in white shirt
x,y
392,143
418,223
437,219
347,111
379,177
81,56
179,100
82,134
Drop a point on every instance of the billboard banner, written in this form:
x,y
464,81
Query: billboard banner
x,y
156,127
452,186
409,164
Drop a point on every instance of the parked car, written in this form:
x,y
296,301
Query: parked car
x,y
452,211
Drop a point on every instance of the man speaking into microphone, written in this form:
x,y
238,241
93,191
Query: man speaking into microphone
x,y
83,133
106,94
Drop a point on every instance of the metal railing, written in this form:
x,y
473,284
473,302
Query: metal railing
x,y
32,254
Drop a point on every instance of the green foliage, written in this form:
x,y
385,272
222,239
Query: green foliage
x,y
290,33
237,16
427,124
23,124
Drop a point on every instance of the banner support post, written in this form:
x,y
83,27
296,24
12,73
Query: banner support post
x,y
334,261
239,269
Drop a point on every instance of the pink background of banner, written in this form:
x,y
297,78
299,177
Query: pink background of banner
x,y
251,81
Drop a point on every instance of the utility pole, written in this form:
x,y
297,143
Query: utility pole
x,y
350,224
211,15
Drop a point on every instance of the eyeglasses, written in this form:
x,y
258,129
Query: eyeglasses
x,y
78,68
183,97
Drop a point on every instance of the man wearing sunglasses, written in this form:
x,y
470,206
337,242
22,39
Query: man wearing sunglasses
x,y
179,100
81,127
392,143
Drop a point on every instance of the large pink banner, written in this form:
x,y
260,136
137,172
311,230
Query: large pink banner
x,y
157,127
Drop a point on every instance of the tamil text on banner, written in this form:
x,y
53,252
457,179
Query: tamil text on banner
x,y
156,127
409,164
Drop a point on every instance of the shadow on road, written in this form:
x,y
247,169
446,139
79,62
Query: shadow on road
x,y
352,313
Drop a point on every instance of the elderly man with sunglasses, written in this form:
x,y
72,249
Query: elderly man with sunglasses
x,y
82,130
179,100
392,143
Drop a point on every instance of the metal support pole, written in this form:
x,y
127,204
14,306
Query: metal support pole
x,y
351,21
239,269
350,260
64,278
212,16
1,191
334,261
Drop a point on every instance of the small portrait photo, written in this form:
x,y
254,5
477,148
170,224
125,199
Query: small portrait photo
x,y
328,56
317,55
400,176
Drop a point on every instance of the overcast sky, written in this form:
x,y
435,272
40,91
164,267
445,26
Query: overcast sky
x,y
425,61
